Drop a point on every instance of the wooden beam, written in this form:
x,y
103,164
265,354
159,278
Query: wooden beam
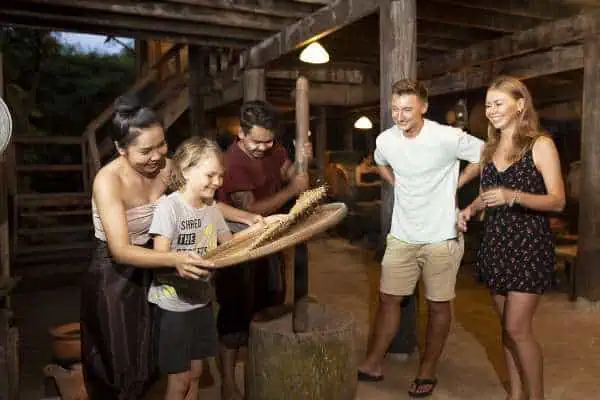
x,y
273,8
331,75
531,66
430,29
463,16
169,11
86,26
310,28
133,23
588,274
544,36
398,59
540,9
330,94
254,84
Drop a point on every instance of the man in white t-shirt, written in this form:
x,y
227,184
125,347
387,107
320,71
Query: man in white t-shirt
x,y
421,159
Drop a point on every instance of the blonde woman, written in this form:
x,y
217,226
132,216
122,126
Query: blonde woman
x,y
521,183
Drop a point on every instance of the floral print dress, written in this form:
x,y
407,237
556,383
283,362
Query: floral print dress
x,y
517,248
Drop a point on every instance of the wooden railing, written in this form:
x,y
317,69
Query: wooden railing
x,y
166,80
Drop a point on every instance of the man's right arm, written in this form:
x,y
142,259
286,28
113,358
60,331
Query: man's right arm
x,y
245,200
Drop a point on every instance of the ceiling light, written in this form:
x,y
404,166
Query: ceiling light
x,y
363,123
314,54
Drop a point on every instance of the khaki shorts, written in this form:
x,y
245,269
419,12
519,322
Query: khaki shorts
x,y
403,264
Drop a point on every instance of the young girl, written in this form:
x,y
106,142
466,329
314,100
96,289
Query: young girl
x,y
188,220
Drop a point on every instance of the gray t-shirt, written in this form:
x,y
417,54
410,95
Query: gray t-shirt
x,y
189,229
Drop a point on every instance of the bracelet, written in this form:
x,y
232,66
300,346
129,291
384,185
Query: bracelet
x,y
515,199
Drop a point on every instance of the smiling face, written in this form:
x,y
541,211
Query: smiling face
x,y
407,113
147,152
257,142
204,178
502,109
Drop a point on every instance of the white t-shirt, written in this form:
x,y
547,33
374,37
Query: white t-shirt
x,y
426,170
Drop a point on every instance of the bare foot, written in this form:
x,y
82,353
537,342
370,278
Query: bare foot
x,y
230,392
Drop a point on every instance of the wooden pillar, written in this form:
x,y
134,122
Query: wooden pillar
x,y
196,62
141,57
349,134
398,59
4,196
321,142
588,258
254,84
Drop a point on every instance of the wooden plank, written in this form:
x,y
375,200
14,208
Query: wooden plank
x,y
550,62
588,273
463,16
132,25
67,140
329,75
56,229
55,247
272,8
4,200
162,12
49,168
544,36
55,213
539,9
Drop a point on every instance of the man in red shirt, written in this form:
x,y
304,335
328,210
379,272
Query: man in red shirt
x,y
260,178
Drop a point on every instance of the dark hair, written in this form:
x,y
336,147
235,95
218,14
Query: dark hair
x,y
257,113
130,118
410,86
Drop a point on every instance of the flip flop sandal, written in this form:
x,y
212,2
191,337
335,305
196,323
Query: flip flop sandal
x,y
418,382
366,377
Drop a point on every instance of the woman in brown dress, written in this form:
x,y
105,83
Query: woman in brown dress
x,y
116,318
521,183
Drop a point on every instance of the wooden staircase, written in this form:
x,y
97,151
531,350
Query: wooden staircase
x,y
52,231
51,207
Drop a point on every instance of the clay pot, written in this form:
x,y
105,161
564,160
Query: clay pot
x,y
69,381
66,342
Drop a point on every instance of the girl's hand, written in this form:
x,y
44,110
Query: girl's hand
x,y
463,218
187,265
497,197
255,219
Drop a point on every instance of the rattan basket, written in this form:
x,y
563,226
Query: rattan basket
x,y
243,245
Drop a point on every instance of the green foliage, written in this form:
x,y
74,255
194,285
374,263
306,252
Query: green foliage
x,y
69,88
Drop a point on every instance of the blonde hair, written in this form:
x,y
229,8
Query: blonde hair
x,y
189,154
527,130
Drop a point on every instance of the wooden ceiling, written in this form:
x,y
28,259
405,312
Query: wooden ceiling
x,y
443,26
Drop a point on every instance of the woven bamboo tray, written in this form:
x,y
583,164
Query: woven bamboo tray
x,y
240,248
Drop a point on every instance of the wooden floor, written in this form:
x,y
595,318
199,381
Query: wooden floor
x,y
346,276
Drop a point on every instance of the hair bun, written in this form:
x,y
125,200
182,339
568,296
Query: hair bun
x,y
127,105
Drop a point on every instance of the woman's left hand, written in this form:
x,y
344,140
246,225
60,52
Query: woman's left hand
x,y
497,196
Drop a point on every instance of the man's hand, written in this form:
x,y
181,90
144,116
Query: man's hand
x,y
300,182
463,218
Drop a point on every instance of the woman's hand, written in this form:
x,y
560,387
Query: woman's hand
x,y
463,218
187,265
497,197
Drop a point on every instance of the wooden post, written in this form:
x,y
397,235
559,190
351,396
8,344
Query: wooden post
x,y
254,84
588,271
4,193
321,142
398,59
349,134
196,60
300,313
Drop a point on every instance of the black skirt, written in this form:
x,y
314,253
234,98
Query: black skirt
x,y
117,353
